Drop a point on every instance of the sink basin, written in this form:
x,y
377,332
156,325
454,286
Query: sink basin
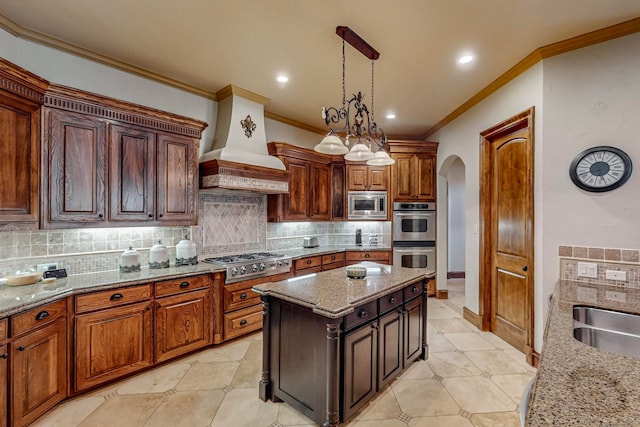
x,y
607,330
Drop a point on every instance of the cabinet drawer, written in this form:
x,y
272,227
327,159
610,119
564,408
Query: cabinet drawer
x,y
332,266
3,330
309,262
112,298
390,301
36,317
186,284
239,295
331,258
368,256
412,291
362,314
242,321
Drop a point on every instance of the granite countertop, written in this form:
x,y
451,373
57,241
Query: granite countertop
x,y
328,249
579,385
331,294
14,299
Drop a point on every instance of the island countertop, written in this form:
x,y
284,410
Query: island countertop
x,y
332,294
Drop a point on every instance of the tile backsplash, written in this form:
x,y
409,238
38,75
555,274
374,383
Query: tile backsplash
x,y
626,260
229,222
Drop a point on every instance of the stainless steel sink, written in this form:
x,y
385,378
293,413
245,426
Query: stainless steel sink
x,y
607,330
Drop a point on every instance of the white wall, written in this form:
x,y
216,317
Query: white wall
x,y
457,213
278,131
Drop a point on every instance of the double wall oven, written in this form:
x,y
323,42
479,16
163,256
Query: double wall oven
x,y
414,235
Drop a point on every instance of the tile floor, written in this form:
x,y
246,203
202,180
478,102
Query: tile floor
x,y
471,378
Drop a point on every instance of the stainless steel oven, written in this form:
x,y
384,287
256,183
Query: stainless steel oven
x,y
415,257
414,222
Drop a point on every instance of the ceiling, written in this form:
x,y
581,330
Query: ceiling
x,y
208,44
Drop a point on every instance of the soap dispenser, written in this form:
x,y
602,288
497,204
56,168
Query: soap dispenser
x,y
159,256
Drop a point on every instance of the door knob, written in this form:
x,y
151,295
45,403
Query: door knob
x,y
525,268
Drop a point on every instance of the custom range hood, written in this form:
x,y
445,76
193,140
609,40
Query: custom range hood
x,y
239,159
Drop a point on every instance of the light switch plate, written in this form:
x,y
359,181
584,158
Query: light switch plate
x,y
588,269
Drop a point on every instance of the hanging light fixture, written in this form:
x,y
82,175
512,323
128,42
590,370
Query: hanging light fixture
x,y
357,121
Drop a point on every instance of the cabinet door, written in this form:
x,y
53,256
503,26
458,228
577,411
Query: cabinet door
x,y
357,179
337,191
390,350
3,385
296,203
38,372
360,368
20,154
176,180
378,177
320,182
75,147
402,177
183,324
132,170
413,330
425,183
112,343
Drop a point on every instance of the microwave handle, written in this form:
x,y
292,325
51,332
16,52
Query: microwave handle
x,y
412,214
417,251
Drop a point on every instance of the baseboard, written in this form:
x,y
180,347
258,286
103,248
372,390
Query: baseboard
x,y
455,275
535,359
472,318
442,294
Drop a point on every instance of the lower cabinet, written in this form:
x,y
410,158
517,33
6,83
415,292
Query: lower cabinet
x,y
4,363
381,257
413,330
390,349
360,367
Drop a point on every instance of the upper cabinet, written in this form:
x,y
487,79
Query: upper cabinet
x,y
413,176
21,95
367,178
312,181
108,162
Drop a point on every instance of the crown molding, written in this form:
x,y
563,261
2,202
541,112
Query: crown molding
x,y
584,40
229,90
295,123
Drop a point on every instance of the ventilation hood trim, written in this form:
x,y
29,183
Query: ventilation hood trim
x,y
238,176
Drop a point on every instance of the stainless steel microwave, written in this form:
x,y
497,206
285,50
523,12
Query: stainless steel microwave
x,y
367,205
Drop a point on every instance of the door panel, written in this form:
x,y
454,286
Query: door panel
x,y
176,186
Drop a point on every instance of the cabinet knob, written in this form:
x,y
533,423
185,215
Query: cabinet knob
x,y
42,315
184,285
333,257
159,305
392,300
363,313
414,289
116,297
4,355
21,348
150,215
243,296
160,216
243,322
367,255
308,261
100,216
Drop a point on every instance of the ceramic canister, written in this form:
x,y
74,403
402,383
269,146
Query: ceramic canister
x,y
186,252
159,256
129,261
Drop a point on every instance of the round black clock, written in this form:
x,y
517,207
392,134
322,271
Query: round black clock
x,y
600,169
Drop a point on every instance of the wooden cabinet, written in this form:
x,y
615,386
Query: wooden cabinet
x,y
367,178
107,162
316,263
21,94
390,349
413,328
311,195
37,362
360,367
4,370
354,257
183,316
334,260
112,342
413,176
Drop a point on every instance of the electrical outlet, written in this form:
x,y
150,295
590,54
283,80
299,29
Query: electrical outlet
x,y
589,295
616,296
47,266
616,275
588,269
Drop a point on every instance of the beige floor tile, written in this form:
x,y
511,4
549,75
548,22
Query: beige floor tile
x,y
446,421
157,380
495,362
70,413
467,341
502,419
224,353
520,358
248,374
124,411
451,325
439,343
208,376
287,416
242,408
187,409
377,423
254,352
419,370
437,310
452,364
478,395
384,406
513,384
422,398
495,340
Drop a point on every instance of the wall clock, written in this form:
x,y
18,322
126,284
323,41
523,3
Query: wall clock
x,y
600,169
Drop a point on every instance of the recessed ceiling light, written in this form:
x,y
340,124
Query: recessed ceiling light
x,y
282,79
391,116
465,59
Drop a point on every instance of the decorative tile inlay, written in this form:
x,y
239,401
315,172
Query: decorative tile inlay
x,y
404,418
228,389
465,414
437,378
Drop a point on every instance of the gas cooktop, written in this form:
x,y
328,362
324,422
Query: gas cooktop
x,y
252,265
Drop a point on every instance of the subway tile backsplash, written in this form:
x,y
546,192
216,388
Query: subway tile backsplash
x,y
626,260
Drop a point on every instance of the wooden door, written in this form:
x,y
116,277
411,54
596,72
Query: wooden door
x,y
182,324
296,204
425,178
132,157
4,355
402,177
360,367
75,159
390,349
507,244
176,180
413,322
112,343
38,372
320,201
377,178
337,190
357,178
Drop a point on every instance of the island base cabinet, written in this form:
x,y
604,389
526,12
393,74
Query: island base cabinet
x,y
112,343
413,330
38,372
390,351
360,367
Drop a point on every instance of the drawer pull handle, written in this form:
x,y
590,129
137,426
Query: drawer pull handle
x,y
4,355
308,261
42,315
21,348
333,257
367,255
160,216
414,289
116,297
243,322
392,300
243,296
100,216
184,285
150,215
363,313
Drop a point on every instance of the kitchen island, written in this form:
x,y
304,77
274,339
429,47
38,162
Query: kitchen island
x,y
331,343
